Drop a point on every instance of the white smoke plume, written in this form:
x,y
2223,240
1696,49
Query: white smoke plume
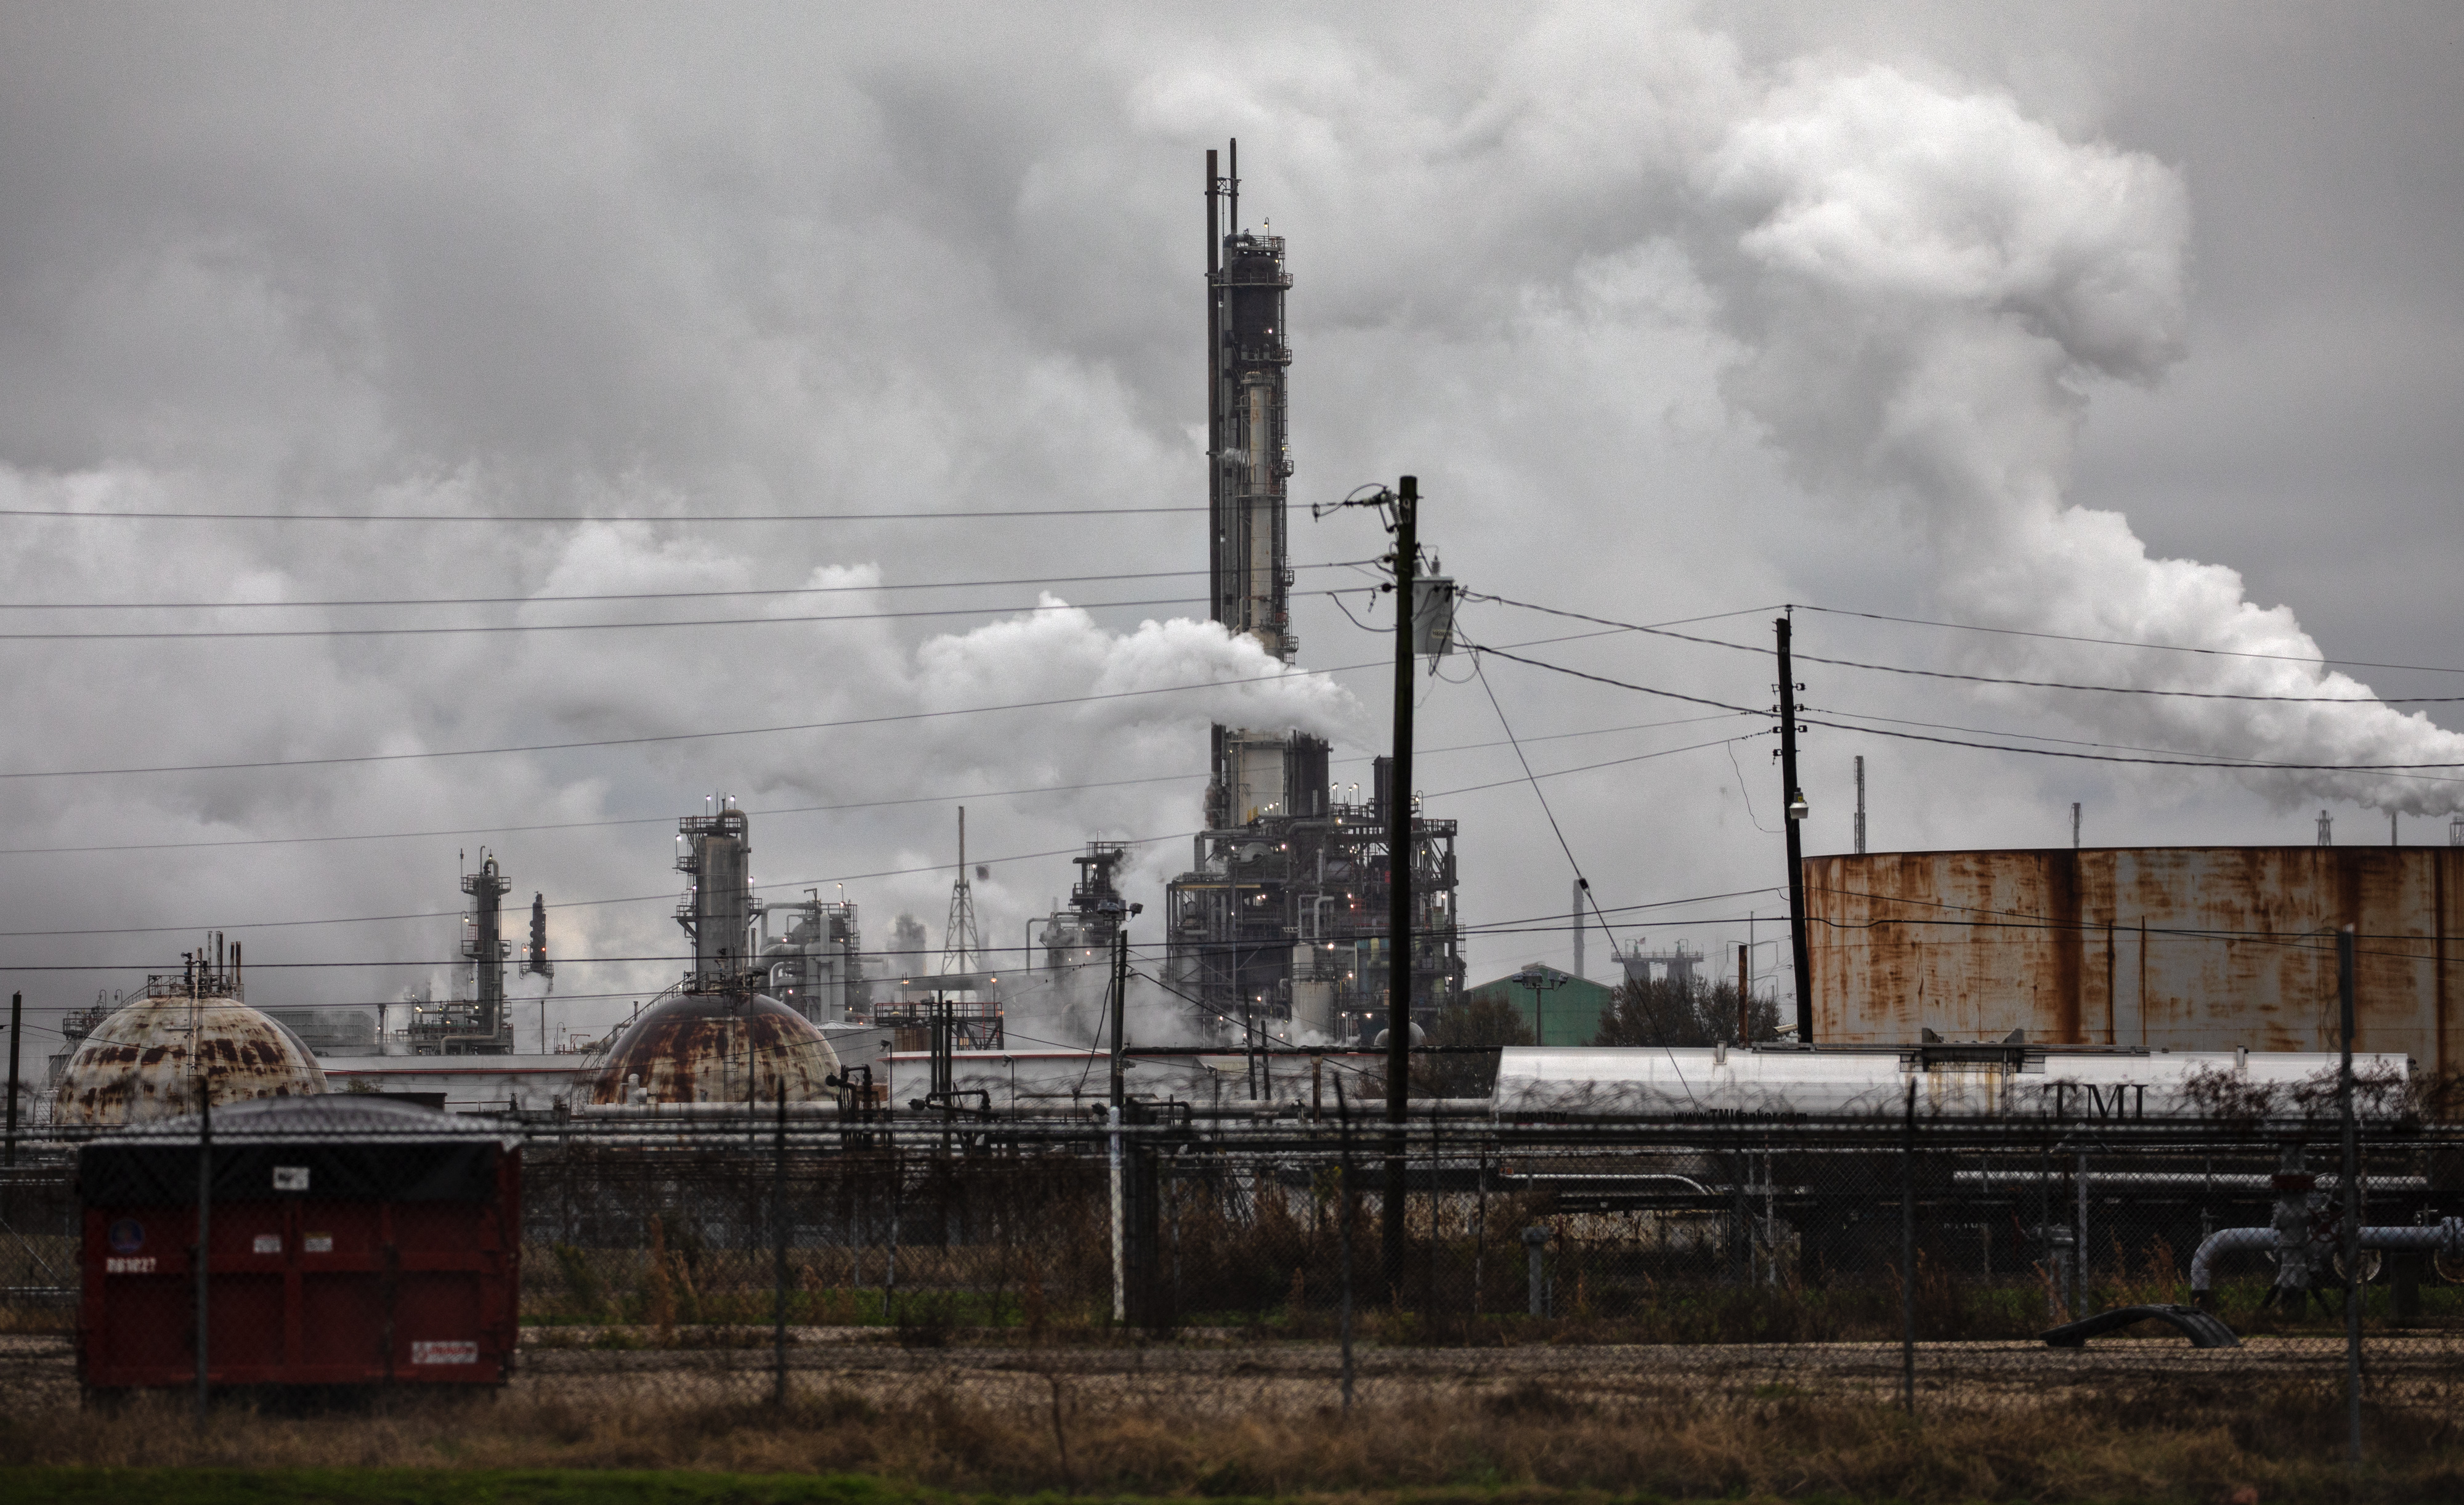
x,y
1928,284
1578,266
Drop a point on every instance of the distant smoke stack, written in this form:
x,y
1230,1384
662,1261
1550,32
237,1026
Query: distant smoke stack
x,y
1579,886
535,956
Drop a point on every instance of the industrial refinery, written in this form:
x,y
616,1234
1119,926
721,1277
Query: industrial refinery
x,y
1618,800
2065,977
2104,1042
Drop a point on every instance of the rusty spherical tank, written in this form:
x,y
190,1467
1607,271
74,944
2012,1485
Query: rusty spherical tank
x,y
715,1047
143,1061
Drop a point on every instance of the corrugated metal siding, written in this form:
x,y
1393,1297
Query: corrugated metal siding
x,y
2180,948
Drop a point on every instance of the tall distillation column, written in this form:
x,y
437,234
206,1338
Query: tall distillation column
x,y
1277,932
1248,471
483,943
716,848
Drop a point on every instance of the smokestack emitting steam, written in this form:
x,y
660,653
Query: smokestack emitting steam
x,y
1929,282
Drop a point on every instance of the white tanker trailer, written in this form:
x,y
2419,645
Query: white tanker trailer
x,y
1964,1080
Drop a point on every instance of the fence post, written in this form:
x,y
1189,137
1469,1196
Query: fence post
x,y
1436,1200
1535,1241
205,1230
2053,1268
1479,1233
779,1243
890,1266
1741,1237
2352,1189
1343,1225
2082,1252
16,1032
1120,1286
1908,1259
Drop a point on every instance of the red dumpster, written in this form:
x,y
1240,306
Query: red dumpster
x,y
352,1241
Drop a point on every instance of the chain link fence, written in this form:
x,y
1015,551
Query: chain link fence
x,y
1053,1268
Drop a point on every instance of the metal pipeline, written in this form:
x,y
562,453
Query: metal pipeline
x,y
2446,1236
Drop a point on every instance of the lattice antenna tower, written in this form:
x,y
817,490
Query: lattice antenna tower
x,y
962,948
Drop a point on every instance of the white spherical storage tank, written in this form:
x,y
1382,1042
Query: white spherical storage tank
x,y
161,1053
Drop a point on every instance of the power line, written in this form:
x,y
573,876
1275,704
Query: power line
x,y
466,629
809,809
678,737
1026,967
2116,689
1666,695
2160,762
600,825
2121,642
572,903
1583,885
622,595
2035,685
1498,926
789,885
133,514
2040,752
745,731
1544,925
1613,763
2075,742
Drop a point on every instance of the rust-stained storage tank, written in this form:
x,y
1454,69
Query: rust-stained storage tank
x,y
145,1060
719,1047
2186,948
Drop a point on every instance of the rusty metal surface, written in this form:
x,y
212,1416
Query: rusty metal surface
x,y
2167,947
143,1061
716,1047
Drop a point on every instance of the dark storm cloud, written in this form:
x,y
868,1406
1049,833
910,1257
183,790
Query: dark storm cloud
x,y
657,260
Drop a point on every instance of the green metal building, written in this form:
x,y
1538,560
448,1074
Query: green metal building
x,y
1560,1007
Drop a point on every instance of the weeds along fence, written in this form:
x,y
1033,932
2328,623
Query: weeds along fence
x,y
1235,1265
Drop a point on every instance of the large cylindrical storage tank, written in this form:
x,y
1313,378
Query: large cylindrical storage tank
x,y
713,1047
146,1061
2183,948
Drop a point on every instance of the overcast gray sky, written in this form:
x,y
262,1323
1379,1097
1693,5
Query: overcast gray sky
x,y
2142,322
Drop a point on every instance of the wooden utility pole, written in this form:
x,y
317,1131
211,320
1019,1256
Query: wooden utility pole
x,y
1793,813
16,1031
1398,874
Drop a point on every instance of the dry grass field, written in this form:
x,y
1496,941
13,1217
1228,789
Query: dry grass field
x,y
2130,1420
